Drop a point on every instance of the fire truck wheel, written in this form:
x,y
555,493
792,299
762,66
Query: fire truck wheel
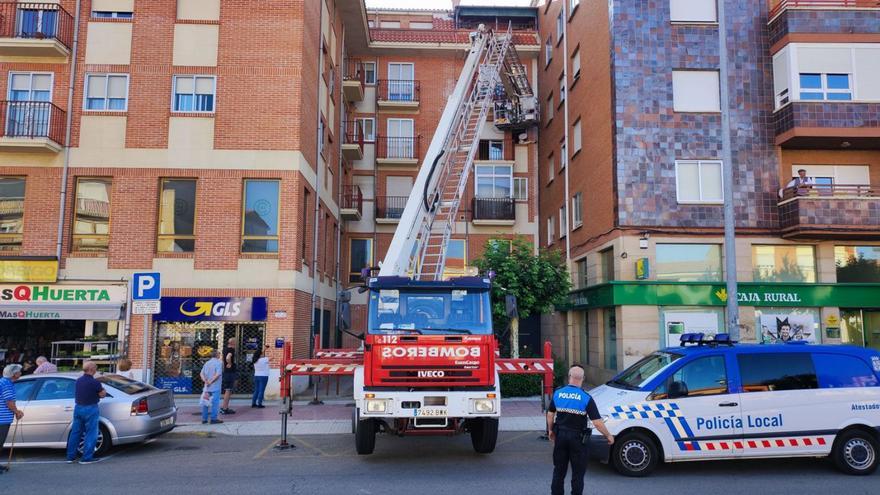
x,y
365,436
484,434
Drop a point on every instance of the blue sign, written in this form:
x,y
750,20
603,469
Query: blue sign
x,y
147,287
177,384
279,343
213,309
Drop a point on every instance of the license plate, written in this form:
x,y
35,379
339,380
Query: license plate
x,y
166,422
431,413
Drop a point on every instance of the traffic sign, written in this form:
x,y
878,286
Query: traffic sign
x,y
147,286
146,307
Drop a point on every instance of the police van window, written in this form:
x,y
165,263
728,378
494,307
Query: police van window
x,y
639,374
769,372
703,376
841,371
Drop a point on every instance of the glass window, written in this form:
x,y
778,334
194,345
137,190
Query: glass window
x,y
502,245
123,384
577,202
548,51
639,374
560,27
550,229
456,257
825,86
606,260
576,137
24,389
389,24
369,129
56,389
194,93
784,264
361,256
369,72
610,338
104,14
549,108
696,91
428,311
177,216
576,65
580,279
91,225
842,371
563,156
494,181
563,220
106,92
698,181
561,88
260,222
521,188
779,325
700,377
491,150
771,372
688,262
857,263
551,168
11,212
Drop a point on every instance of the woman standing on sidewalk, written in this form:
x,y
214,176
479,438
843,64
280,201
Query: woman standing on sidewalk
x,y
261,378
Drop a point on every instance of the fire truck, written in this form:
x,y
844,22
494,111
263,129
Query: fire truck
x,y
428,363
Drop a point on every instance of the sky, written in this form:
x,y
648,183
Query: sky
x,y
439,4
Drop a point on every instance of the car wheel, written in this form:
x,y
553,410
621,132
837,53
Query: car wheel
x,y
635,454
484,435
855,452
365,436
102,445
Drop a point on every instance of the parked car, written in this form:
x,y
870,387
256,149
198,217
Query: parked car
x,y
131,412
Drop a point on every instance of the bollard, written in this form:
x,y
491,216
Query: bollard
x,y
286,394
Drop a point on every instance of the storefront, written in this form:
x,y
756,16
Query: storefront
x,y
189,329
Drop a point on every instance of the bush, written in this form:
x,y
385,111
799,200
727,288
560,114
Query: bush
x,y
520,385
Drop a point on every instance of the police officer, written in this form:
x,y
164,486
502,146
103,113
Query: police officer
x,y
567,423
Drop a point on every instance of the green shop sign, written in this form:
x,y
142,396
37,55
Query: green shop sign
x,y
702,294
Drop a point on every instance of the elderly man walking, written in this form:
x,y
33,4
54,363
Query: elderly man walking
x,y
44,366
8,410
85,415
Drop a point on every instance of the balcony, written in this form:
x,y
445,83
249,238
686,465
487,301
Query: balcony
x,y
389,209
353,81
398,151
828,125
397,95
353,140
352,203
829,19
31,126
494,211
831,212
35,30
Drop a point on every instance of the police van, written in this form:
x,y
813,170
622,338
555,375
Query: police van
x,y
715,399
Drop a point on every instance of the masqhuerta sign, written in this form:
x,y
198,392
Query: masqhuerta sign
x,y
62,302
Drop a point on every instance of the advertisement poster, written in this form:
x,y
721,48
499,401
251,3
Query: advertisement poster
x,y
785,327
678,323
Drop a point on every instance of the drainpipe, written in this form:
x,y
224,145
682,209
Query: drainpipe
x,y
339,168
566,202
315,230
71,84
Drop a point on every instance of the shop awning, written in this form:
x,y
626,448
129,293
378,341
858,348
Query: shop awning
x,y
100,312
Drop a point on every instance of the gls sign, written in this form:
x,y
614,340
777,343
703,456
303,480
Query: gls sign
x,y
213,309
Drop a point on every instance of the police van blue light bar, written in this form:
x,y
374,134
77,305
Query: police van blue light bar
x,y
699,339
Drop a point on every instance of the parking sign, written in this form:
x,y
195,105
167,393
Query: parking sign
x,y
146,287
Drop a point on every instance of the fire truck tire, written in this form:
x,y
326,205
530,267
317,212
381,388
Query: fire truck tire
x,y
365,436
484,434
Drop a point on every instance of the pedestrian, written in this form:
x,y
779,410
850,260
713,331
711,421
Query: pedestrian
x,y
8,410
230,375
261,378
567,426
123,368
85,415
211,374
44,366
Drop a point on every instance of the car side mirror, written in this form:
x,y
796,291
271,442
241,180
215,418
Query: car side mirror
x,y
677,390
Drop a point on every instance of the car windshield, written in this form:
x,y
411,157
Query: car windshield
x,y
458,311
637,375
124,385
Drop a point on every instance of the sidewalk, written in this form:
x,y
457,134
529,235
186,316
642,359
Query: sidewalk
x,y
334,417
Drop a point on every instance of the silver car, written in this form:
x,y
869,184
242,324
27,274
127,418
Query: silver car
x,y
131,412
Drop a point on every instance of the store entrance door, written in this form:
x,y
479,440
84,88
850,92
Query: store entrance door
x,y
872,329
861,327
249,339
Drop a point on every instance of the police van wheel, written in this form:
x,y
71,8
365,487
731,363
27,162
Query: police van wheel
x,y
855,452
484,434
365,436
634,454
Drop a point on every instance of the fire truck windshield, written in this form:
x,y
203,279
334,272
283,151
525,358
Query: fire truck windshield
x,y
422,311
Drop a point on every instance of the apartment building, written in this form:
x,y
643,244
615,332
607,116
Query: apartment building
x,y
631,171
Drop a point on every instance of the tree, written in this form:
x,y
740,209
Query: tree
x,y
539,282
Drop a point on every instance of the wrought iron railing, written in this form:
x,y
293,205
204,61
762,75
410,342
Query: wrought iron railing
x,y
36,21
398,148
494,209
390,207
32,119
399,90
353,198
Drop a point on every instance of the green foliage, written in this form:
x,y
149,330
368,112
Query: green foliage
x,y
520,385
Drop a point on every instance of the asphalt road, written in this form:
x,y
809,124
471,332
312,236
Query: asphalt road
x,y
215,464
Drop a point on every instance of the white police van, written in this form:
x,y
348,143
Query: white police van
x,y
714,399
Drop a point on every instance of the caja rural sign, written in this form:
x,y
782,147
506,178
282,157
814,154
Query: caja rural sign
x,y
213,309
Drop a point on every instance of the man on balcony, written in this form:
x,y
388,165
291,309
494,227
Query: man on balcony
x,y
801,183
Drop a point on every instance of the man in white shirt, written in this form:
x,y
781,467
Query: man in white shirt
x,y
802,183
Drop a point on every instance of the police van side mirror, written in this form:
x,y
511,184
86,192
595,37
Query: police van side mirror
x,y
678,390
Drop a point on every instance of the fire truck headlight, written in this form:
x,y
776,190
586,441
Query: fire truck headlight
x,y
376,405
484,405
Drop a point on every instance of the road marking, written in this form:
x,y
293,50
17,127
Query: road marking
x,y
266,449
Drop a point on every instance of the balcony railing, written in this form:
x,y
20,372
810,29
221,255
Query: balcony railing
x,y
398,148
398,90
353,132
494,209
780,5
390,207
354,71
32,119
831,191
830,211
36,21
353,199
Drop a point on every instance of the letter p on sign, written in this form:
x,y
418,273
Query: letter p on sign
x,y
146,287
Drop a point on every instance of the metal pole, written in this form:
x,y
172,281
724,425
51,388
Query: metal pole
x,y
727,166
146,349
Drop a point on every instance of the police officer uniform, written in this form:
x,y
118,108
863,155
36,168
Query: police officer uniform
x,y
572,406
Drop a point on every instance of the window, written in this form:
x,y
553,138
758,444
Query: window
x,y
421,25
11,212
577,218
56,389
572,4
194,93
551,169
606,261
774,372
368,125
560,27
494,181
550,107
696,91
548,51
105,14
698,181
401,82
563,156
693,10
610,338
456,257
576,137
389,24
24,389
857,264
370,73
400,142
503,245
177,216
304,221
107,92
91,224
260,216
700,377
688,262
576,65
371,24
784,264
563,227
561,88
550,230
834,87
580,280
520,188
28,112
842,371
491,150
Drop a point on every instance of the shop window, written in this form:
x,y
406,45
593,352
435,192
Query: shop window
x,y
494,181
774,372
860,327
11,213
177,216
106,92
91,224
679,320
456,258
701,377
606,261
491,150
842,371
857,264
688,262
610,339
778,325
260,216
361,256
194,93
784,264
